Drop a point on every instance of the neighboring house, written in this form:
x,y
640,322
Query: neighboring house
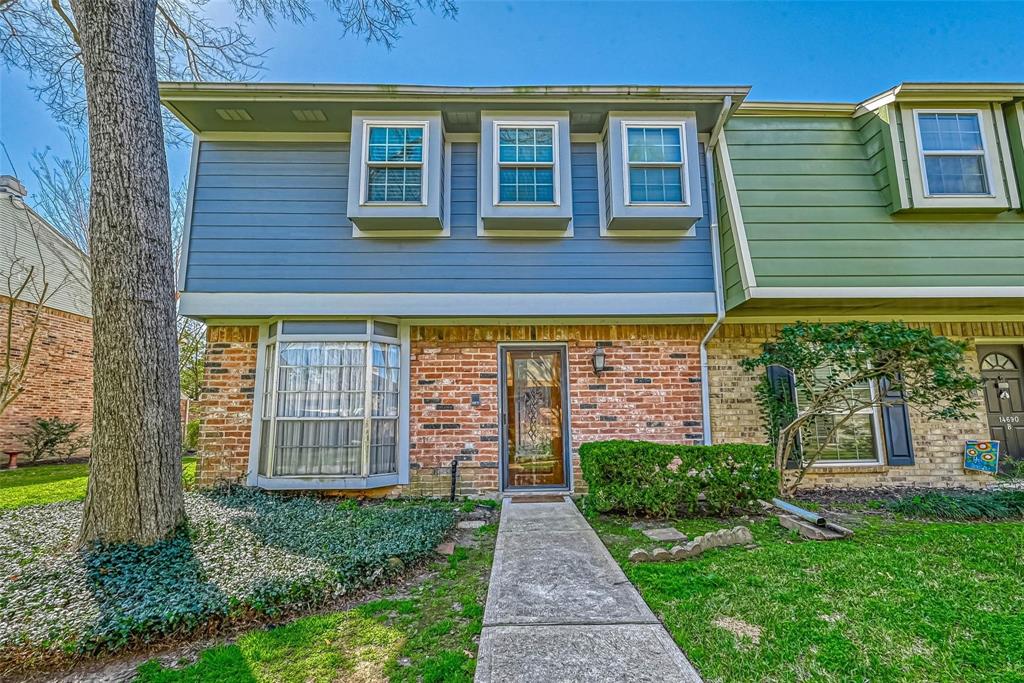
x,y
59,378
906,206
394,277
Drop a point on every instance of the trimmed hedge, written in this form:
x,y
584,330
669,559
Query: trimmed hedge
x,y
659,480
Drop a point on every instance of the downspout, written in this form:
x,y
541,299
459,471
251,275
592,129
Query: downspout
x,y
709,162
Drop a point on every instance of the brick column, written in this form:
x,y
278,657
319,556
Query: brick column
x,y
225,405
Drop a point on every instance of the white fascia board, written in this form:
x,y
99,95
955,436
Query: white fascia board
x,y
189,90
420,305
886,292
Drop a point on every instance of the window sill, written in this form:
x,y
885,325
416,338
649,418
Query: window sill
x,y
307,483
664,227
849,468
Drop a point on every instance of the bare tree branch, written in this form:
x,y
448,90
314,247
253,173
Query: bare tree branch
x,y
62,189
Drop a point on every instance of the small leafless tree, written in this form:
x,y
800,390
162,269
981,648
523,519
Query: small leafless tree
x,y
191,333
34,272
61,189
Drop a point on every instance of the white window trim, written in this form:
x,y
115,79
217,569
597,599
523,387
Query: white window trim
x,y
327,481
682,164
985,153
496,153
877,429
364,166
910,163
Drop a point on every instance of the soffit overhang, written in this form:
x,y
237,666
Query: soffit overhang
x,y
271,107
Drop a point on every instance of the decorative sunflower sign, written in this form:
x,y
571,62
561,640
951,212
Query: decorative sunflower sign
x,y
982,456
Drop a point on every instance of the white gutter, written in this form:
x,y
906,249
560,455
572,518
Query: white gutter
x,y
705,389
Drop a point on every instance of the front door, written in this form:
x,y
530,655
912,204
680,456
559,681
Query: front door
x,y
1002,372
533,417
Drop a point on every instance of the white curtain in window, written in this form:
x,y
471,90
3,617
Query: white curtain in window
x,y
319,409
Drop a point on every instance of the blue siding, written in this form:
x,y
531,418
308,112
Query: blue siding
x,y
270,217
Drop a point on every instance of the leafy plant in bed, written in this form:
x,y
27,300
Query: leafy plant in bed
x,y
243,552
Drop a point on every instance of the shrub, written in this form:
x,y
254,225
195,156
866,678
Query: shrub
x,y
53,439
1007,504
191,441
643,478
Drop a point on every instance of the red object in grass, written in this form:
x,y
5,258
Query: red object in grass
x,y
12,461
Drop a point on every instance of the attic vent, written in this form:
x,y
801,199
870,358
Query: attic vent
x,y
309,115
234,115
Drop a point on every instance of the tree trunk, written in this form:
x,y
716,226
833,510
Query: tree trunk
x,y
134,490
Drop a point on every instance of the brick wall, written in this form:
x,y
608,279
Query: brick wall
x,y
59,381
225,404
938,445
651,391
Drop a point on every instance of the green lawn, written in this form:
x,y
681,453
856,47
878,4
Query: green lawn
x,y
42,484
900,601
427,635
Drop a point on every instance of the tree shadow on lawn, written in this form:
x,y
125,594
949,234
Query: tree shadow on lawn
x,y
425,634
147,592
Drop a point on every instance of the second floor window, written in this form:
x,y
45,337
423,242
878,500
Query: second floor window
x,y
526,164
654,161
953,153
394,164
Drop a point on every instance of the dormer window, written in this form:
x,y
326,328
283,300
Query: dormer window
x,y
654,155
395,172
956,159
651,173
953,153
396,175
525,178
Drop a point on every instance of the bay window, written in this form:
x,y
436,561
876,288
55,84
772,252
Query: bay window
x,y
331,399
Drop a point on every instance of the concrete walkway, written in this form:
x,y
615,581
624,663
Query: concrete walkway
x,y
559,608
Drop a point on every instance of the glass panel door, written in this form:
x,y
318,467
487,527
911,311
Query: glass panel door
x,y
533,418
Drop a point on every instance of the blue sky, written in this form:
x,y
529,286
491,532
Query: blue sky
x,y
786,51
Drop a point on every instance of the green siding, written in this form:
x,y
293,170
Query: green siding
x,y
817,195
731,280
1016,135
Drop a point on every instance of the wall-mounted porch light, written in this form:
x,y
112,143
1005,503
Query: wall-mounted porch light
x,y
598,360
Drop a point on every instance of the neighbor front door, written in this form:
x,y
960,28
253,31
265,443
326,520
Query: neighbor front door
x,y
1002,373
533,417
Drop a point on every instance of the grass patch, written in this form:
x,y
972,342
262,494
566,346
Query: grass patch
x,y
428,635
1005,504
44,484
244,553
901,600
